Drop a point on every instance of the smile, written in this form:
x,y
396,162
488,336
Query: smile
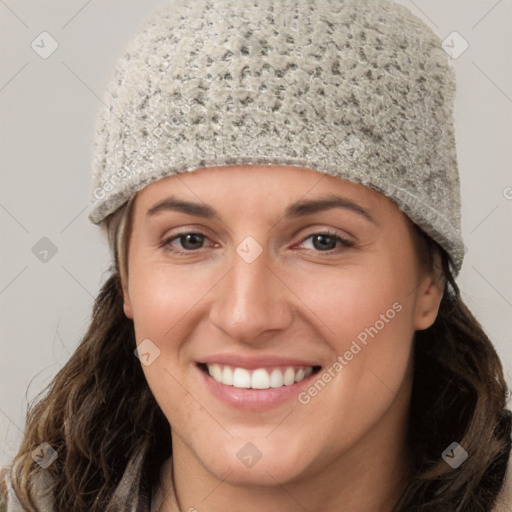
x,y
256,383
259,378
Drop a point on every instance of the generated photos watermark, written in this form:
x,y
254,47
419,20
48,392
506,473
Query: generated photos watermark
x,y
356,347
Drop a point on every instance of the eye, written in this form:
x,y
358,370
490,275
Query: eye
x,y
190,241
325,241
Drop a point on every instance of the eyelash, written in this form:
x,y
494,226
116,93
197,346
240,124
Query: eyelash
x,y
166,243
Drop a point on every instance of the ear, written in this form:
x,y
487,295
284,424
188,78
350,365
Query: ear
x,y
429,295
127,305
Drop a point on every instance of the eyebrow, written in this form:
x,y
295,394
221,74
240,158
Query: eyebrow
x,y
298,209
325,202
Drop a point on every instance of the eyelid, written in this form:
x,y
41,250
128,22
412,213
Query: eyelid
x,y
346,243
322,228
166,240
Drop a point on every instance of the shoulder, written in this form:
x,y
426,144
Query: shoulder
x,y
3,489
504,503
9,501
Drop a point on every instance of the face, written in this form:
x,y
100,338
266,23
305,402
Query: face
x,y
305,315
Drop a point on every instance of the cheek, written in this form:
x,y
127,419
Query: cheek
x,y
164,300
162,296
361,303
367,319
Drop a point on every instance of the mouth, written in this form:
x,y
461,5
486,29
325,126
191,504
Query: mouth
x,y
265,378
255,383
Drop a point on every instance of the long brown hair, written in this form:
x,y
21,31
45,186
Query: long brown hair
x,y
111,436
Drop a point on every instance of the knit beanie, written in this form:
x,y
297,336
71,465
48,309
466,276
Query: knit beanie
x,y
358,89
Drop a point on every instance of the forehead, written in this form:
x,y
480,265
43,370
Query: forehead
x,y
266,184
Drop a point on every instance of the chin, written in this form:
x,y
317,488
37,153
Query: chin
x,y
259,463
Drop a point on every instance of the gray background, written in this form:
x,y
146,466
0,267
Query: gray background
x,y
47,112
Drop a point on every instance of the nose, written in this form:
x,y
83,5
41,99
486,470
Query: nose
x,y
251,299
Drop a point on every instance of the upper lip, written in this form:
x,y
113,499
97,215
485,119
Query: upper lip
x,y
252,363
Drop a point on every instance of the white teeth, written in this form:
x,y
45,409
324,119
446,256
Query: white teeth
x,y
276,379
227,376
299,375
289,377
241,378
216,372
259,378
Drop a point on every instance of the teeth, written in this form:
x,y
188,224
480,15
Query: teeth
x,y
216,372
241,378
276,379
227,376
299,375
258,379
289,377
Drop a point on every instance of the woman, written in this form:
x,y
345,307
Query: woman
x,y
282,329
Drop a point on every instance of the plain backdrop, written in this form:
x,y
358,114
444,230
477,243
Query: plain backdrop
x,y
47,111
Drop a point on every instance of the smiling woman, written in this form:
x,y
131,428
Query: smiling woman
x,y
282,329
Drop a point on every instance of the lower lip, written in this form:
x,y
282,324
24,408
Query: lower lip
x,y
254,399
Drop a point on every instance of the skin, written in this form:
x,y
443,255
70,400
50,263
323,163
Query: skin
x,y
346,449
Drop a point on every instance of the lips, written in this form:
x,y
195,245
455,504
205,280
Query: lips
x,y
253,363
256,383
260,378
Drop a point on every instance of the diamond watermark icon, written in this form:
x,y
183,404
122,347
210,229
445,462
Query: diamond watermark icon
x,y
44,45
44,455
249,454
455,45
249,249
454,455
44,250
147,352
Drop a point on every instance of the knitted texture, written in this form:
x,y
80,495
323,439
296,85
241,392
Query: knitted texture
x,y
361,90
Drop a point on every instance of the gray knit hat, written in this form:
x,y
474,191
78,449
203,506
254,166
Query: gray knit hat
x,y
360,89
